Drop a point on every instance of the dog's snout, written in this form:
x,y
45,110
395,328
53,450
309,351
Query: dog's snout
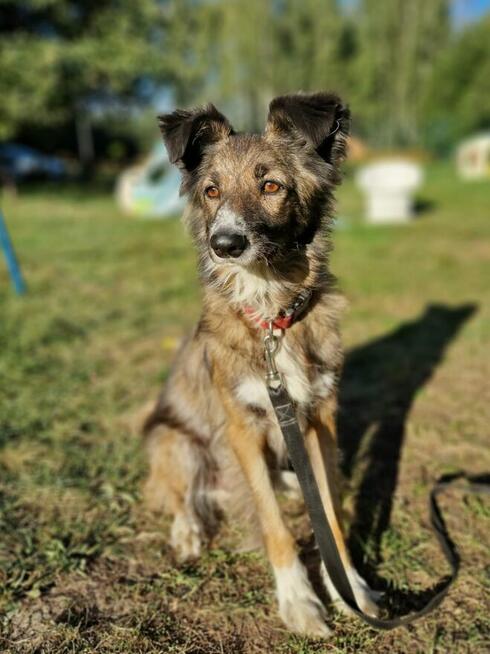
x,y
228,244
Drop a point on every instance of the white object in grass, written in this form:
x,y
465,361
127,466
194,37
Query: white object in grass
x,y
389,186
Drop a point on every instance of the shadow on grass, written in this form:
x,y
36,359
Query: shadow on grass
x,y
423,206
378,386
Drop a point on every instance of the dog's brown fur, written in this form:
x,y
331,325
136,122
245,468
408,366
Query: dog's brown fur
x,y
213,424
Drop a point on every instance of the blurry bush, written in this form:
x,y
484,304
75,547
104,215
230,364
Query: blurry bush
x,y
69,65
87,76
457,98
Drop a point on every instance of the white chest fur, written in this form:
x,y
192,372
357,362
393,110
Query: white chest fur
x,y
303,386
294,375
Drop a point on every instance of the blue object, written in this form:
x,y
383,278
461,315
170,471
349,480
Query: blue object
x,y
19,162
12,263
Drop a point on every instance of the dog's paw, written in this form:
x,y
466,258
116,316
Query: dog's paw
x,y
366,598
304,616
299,607
186,538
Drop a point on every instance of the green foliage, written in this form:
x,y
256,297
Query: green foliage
x,y
408,77
58,57
388,59
458,96
259,49
28,81
398,43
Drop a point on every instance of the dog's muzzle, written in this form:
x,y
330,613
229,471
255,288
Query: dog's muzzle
x,y
228,244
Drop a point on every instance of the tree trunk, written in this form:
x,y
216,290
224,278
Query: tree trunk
x,y
85,143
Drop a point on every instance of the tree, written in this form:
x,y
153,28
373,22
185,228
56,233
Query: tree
x,y
68,63
457,99
378,55
309,33
258,49
399,43
70,60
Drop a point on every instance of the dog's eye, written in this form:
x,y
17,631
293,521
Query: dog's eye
x,y
271,187
212,192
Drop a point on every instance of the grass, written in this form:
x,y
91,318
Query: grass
x,y
83,568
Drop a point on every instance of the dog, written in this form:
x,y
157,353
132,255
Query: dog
x,y
260,214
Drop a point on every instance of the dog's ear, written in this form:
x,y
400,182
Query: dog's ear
x,y
187,133
320,119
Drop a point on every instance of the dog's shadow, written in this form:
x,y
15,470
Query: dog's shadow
x,y
379,383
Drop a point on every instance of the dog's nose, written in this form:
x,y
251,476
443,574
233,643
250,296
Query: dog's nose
x,y
228,244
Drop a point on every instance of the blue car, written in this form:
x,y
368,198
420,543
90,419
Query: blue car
x,y
20,162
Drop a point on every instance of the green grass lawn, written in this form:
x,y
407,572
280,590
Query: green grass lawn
x,y
84,568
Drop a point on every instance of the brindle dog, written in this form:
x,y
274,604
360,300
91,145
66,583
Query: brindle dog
x,y
260,210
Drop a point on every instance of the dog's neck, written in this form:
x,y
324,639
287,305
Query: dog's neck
x,y
265,291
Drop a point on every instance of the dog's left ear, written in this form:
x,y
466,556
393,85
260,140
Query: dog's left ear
x,y
186,134
319,118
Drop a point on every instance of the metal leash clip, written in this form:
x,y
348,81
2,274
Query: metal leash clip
x,y
271,345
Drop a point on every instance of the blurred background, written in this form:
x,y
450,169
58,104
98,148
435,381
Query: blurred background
x,y
82,81
106,287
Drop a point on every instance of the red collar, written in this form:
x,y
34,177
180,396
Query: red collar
x,y
285,318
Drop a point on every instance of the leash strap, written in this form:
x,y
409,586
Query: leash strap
x,y
286,416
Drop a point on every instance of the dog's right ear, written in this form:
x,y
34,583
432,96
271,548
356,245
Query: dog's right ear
x,y
186,134
321,119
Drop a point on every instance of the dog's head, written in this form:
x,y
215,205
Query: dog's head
x,y
258,199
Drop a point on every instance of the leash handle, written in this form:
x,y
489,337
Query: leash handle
x,y
286,416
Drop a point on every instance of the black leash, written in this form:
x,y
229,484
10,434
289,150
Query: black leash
x,y
286,416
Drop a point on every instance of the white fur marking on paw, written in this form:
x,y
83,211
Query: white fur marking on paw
x,y
299,607
185,537
366,598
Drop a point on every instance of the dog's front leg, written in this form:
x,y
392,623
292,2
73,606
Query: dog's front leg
x,y
299,607
321,443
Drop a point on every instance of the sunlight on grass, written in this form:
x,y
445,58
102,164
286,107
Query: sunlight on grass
x,y
109,299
